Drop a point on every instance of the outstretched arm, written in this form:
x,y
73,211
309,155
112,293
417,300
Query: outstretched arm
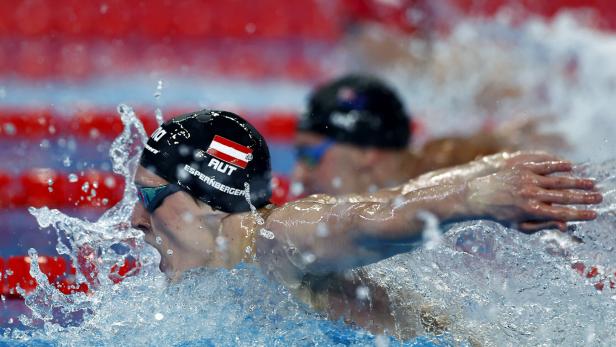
x,y
320,237
515,135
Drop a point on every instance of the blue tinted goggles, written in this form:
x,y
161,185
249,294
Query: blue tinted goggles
x,y
153,197
312,155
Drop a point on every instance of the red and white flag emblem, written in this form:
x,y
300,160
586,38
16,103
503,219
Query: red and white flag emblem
x,y
229,151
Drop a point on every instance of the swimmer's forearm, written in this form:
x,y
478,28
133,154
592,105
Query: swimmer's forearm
x,y
404,217
343,235
458,174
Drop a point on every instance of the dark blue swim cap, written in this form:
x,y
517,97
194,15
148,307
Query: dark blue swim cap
x,y
360,110
215,156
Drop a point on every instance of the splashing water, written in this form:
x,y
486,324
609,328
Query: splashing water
x,y
158,112
499,287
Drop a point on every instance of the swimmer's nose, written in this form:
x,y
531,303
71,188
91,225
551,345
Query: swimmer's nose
x,y
140,219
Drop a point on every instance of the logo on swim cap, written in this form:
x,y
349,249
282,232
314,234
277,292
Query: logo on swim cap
x,y
230,151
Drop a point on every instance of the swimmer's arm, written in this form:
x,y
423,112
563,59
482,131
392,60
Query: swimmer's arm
x,y
332,236
319,238
450,151
514,135
463,173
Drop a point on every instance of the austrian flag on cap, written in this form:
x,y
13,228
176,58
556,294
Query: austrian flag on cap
x,y
229,151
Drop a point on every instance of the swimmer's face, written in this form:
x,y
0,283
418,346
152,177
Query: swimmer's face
x,y
181,229
336,172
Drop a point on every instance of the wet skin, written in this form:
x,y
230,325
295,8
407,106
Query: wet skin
x,y
509,188
351,169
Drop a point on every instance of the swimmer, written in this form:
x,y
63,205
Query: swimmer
x,y
355,134
204,187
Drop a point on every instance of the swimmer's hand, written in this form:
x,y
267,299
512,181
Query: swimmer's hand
x,y
526,196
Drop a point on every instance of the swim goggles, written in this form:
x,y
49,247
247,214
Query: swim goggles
x,y
312,155
152,197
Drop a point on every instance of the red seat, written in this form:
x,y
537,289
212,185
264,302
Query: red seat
x,y
155,18
7,24
280,126
194,18
149,121
106,189
280,190
42,187
19,272
95,125
33,124
114,18
75,17
32,17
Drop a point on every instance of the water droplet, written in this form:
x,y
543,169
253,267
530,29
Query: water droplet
x,y
50,181
188,217
297,188
9,129
221,243
169,252
336,182
159,316
105,201
67,161
381,341
44,144
362,292
266,233
110,182
159,240
85,187
308,258
10,320
248,250
71,144
250,28
322,230
72,178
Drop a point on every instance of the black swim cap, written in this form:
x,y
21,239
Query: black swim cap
x,y
212,155
359,110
